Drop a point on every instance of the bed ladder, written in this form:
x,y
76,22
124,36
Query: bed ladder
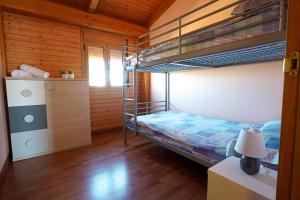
x,y
129,99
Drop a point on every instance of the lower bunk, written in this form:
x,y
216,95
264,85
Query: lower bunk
x,y
204,140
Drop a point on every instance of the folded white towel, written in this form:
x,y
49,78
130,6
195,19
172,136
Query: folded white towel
x,y
20,73
34,71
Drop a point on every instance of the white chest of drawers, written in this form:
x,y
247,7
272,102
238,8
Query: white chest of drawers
x,y
47,115
24,92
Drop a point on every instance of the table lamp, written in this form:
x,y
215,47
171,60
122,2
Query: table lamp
x,y
250,144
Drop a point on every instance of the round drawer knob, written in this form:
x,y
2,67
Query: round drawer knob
x,y
29,118
29,143
26,93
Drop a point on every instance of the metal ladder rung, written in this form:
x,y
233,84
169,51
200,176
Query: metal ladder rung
x,y
150,112
129,99
130,121
130,128
129,105
129,114
131,125
145,108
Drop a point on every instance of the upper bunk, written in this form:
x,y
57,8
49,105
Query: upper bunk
x,y
216,34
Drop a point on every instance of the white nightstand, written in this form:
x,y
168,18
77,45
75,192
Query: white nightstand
x,y
227,181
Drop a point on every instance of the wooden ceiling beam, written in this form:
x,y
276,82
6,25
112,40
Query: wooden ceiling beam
x,y
57,12
93,4
159,11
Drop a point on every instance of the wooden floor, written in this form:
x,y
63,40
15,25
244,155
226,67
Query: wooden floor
x,y
106,170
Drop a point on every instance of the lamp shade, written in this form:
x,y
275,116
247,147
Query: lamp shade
x,y
251,143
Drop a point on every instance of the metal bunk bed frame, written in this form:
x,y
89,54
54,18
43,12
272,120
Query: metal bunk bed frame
x,y
256,49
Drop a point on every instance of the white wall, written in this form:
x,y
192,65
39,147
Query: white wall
x,y
181,7
247,93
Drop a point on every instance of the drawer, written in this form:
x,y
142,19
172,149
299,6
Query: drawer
x,y
27,118
28,144
25,92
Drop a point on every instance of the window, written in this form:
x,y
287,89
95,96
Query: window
x,y
115,68
96,63
103,72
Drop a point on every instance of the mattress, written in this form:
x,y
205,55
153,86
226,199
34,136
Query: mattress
x,y
201,136
233,30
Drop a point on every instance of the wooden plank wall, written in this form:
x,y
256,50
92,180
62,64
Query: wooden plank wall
x,y
47,45
51,46
4,145
106,103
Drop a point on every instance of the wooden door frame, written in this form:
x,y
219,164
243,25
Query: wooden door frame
x,y
288,172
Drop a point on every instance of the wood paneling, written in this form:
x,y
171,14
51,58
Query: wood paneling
x,y
2,47
4,146
79,4
141,12
137,11
106,106
106,103
289,160
47,45
106,38
61,13
52,46
107,170
93,6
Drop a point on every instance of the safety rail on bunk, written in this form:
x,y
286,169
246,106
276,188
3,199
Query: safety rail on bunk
x,y
152,42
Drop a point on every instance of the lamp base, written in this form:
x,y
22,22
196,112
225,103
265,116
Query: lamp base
x,y
250,165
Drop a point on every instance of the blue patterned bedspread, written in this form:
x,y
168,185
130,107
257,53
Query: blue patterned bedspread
x,y
202,132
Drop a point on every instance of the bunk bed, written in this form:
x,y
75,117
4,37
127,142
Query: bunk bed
x,y
253,32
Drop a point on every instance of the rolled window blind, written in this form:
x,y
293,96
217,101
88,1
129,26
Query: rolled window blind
x,y
96,66
115,67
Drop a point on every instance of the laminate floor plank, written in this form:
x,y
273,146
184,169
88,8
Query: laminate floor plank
x,y
106,170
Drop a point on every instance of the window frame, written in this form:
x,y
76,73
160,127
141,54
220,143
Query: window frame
x,y
106,56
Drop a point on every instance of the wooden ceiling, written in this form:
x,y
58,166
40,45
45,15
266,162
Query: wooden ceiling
x,y
60,13
79,4
142,12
